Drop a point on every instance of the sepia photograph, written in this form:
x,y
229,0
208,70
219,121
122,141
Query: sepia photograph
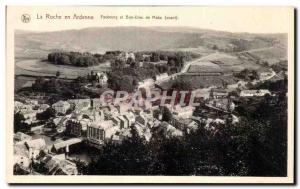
x,y
150,94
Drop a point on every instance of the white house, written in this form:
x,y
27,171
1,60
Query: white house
x,y
61,106
183,112
43,107
218,93
98,132
21,107
21,155
19,136
102,78
170,130
143,131
251,93
35,146
224,104
161,77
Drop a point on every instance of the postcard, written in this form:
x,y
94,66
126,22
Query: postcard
x,y
150,94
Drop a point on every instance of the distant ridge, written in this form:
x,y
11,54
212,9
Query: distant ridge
x,y
98,39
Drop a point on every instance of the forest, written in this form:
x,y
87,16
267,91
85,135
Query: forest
x,y
76,58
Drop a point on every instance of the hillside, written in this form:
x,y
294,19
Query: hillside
x,y
38,44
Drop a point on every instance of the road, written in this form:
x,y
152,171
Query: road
x,y
259,49
183,70
188,64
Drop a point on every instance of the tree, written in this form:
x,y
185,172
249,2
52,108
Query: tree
x,y
19,123
57,74
47,114
82,167
135,64
171,62
255,75
19,171
64,59
182,85
215,47
166,114
39,84
131,157
154,57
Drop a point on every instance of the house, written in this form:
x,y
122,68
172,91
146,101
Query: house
x,y
279,76
170,131
123,107
146,56
31,102
141,120
61,120
97,103
74,128
43,107
161,77
61,106
21,155
183,112
251,93
143,131
120,135
64,146
37,128
35,146
22,108
93,114
19,136
202,94
78,122
145,118
124,121
266,75
110,111
212,124
130,118
98,132
147,83
27,110
120,121
30,116
224,104
101,78
184,124
218,93
58,165
80,104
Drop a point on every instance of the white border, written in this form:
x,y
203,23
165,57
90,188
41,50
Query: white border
x,y
295,3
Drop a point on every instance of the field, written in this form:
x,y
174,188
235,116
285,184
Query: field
x,y
202,66
223,62
37,67
21,82
272,55
207,81
220,52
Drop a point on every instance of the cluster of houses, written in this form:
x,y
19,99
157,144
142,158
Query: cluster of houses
x,y
89,121
33,156
29,109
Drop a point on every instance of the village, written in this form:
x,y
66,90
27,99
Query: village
x,y
53,131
